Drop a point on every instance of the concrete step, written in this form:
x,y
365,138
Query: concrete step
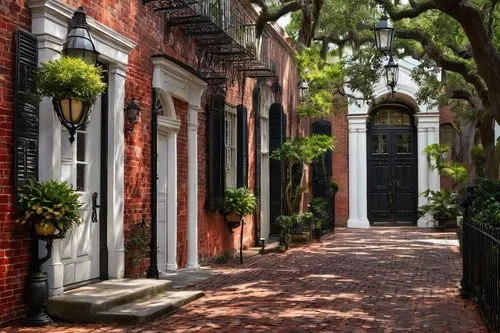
x,y
143,310
82,304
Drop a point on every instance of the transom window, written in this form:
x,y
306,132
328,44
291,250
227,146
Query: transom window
x,y
230,130
391,116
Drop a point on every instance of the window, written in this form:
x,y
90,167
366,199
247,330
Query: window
x,y
392,117
230,136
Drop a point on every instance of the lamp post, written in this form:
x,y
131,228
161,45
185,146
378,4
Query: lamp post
x,y
391,74
384,35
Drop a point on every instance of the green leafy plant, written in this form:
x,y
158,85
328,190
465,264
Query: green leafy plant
x,y
50,202
137,243
441,205
478,160
334,187
239,200
72,78
485,208
457,172
318,208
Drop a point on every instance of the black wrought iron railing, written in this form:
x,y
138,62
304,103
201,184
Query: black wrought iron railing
x,y
481,270
224,33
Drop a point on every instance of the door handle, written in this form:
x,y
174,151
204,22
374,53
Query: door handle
x,y
94,207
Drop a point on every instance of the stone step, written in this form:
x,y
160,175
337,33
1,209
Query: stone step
x,y
143,310
82,304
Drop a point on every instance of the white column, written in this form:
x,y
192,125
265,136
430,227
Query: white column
x,y
115,179
49,143
362,176
192,260
172,201
357,172
428,133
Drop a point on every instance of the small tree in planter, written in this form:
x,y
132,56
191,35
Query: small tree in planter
x,y
442,205
297,153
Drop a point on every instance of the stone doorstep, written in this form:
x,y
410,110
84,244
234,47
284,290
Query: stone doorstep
x,y
82,304
143,310
272,246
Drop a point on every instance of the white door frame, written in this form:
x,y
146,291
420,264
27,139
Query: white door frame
x,y
427,119
168,126
49,21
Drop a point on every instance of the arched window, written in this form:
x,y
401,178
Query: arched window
x,y
391,116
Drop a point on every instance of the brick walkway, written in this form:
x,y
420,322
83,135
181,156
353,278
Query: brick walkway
x,y
377,280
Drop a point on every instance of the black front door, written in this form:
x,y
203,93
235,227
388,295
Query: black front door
x,y
392,175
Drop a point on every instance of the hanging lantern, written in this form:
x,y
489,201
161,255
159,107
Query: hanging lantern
x,y
72,113
303,89
391,74
384,35
79,42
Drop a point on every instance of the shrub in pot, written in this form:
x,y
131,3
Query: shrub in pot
x,y
52,206
238,202
442,206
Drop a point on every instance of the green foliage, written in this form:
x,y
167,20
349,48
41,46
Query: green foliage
x,y
478,160
455,171
239,200
285,224
485,208
49,202
318,208
334,187
137,243
69,77
441,205
296,153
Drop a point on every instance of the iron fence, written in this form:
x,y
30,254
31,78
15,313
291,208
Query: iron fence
x,y
481,270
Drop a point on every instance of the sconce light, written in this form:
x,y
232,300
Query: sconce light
x,y
79,42
277,90
132,111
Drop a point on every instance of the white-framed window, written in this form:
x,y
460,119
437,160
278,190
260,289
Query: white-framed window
x,y
230,144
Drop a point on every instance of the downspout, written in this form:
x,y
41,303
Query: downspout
x,y
152,272
257,159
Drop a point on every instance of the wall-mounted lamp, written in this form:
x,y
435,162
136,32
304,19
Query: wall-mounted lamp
x,y
79,42
277,90
132,111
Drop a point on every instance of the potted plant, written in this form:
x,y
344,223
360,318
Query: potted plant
x,y
442,206
51,207
73,86
238,202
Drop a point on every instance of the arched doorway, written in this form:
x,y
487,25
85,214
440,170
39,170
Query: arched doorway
x,y
392,166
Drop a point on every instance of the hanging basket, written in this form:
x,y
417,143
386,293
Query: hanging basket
x,y
233,220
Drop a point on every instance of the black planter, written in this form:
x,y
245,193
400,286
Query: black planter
x,y
37,296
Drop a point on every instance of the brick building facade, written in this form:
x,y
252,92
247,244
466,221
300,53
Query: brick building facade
x,y
142,61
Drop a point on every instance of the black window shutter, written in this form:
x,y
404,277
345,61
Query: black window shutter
x,y
216,154
277,181
242,147
26,110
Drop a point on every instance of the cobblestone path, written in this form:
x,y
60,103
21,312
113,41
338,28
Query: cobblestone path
x,y
376,280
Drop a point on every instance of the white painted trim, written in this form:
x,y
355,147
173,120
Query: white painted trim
x,y
172,201
50,20
192,260
175,80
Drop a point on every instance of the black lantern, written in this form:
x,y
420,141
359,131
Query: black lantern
x,y
132,110
384,35
303,89
391,74
73,114
79,43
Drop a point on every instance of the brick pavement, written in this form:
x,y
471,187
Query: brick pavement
x,y
377,280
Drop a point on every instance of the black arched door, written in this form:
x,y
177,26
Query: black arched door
x,y
392,167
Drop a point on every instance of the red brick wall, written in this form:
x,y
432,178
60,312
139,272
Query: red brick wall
x,y
145,28
14,240
341,167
